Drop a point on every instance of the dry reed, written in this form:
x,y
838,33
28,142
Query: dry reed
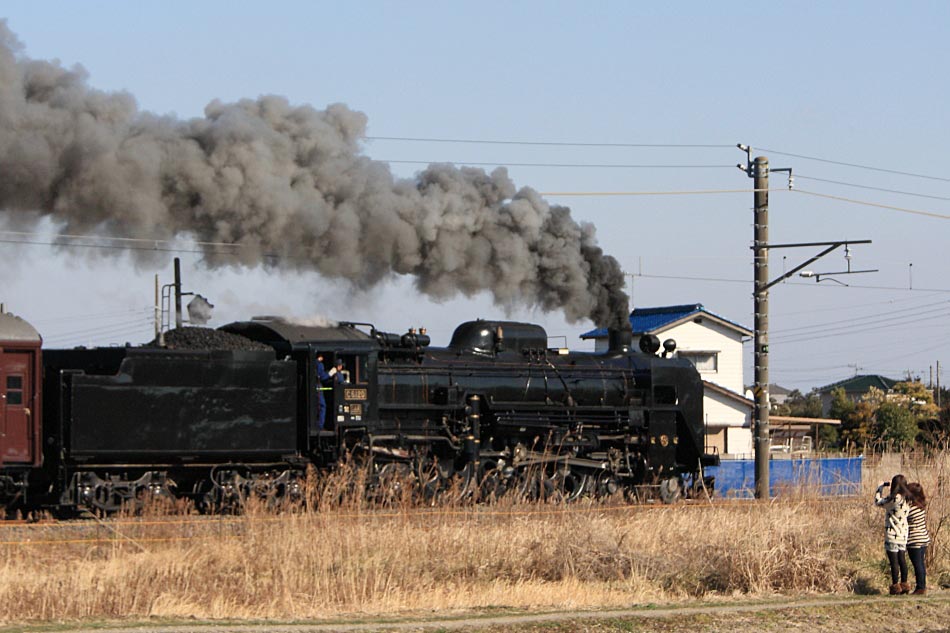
x,y
399,553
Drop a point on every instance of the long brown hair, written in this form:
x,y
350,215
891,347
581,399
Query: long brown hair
x,y
917,496
899,487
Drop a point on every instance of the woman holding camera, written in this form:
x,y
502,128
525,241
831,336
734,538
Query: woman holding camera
x,y
896,506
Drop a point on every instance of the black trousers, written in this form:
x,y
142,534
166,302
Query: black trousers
x,y
898,563
917,555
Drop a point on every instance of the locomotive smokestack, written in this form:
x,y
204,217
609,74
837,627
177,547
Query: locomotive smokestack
x,y
619,339
264,181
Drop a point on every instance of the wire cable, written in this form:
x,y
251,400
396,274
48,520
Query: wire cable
x,y
929,214
851,184
791,283
685,192
102,330
857,320
548,143
146,240
571,165
851,306
114,247
850,349
86,317
856,165
849,331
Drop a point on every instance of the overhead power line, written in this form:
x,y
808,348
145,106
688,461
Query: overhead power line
x,y
851,184
571,165
115,247
144,240
842,348
791,283
156,246
140,332
547,143
918,310
697,192
142,321
856,165
929,214
86,317
838,332
851,306
417,139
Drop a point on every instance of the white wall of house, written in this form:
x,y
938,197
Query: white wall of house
x,y
730,421
720,411
739,443
710,336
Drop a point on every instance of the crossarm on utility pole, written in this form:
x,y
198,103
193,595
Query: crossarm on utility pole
x,y
800,266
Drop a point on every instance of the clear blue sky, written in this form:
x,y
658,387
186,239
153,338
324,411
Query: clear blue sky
x,y
854,82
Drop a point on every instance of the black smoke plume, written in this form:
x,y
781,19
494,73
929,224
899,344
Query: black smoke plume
x,y
287,186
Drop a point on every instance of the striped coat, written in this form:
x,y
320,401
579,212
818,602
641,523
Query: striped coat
x,y
917,534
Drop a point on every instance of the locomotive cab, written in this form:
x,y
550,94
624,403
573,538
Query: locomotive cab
x,y
346,392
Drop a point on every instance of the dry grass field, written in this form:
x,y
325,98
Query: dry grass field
x,y
344,556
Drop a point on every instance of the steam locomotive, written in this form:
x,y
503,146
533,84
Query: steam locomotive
x,y
497,411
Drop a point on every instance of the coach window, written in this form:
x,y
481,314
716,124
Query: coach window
x,y
15,390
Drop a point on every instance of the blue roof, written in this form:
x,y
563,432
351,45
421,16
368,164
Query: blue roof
x,y
646,320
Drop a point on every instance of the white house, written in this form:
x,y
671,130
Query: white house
x,y
714,345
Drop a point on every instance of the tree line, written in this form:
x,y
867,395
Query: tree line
x,y
903,417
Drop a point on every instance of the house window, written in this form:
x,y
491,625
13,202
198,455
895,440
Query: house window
x,y
704,362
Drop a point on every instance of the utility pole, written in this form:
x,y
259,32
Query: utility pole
x,y
758,169
760,172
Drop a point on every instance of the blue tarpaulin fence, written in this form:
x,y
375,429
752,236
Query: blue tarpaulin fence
x,y
826,476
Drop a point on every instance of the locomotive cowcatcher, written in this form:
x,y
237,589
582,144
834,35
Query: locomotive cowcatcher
x,y
496,411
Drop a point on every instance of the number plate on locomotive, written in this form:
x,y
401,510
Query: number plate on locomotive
x,y
354,394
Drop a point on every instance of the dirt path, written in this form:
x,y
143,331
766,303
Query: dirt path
x,y
876,613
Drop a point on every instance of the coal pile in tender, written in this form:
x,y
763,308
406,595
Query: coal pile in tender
x,y
208,338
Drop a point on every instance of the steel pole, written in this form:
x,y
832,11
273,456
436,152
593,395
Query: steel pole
x,y
158,311
177,293
761,325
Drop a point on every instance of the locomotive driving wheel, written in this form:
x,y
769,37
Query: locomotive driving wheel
x,y
671,490
431,477
394,482
605,485
574,484
551,482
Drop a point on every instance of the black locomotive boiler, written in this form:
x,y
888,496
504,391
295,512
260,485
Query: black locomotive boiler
x,y
497,410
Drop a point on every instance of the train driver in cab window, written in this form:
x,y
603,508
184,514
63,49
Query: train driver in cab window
x,y
339,373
